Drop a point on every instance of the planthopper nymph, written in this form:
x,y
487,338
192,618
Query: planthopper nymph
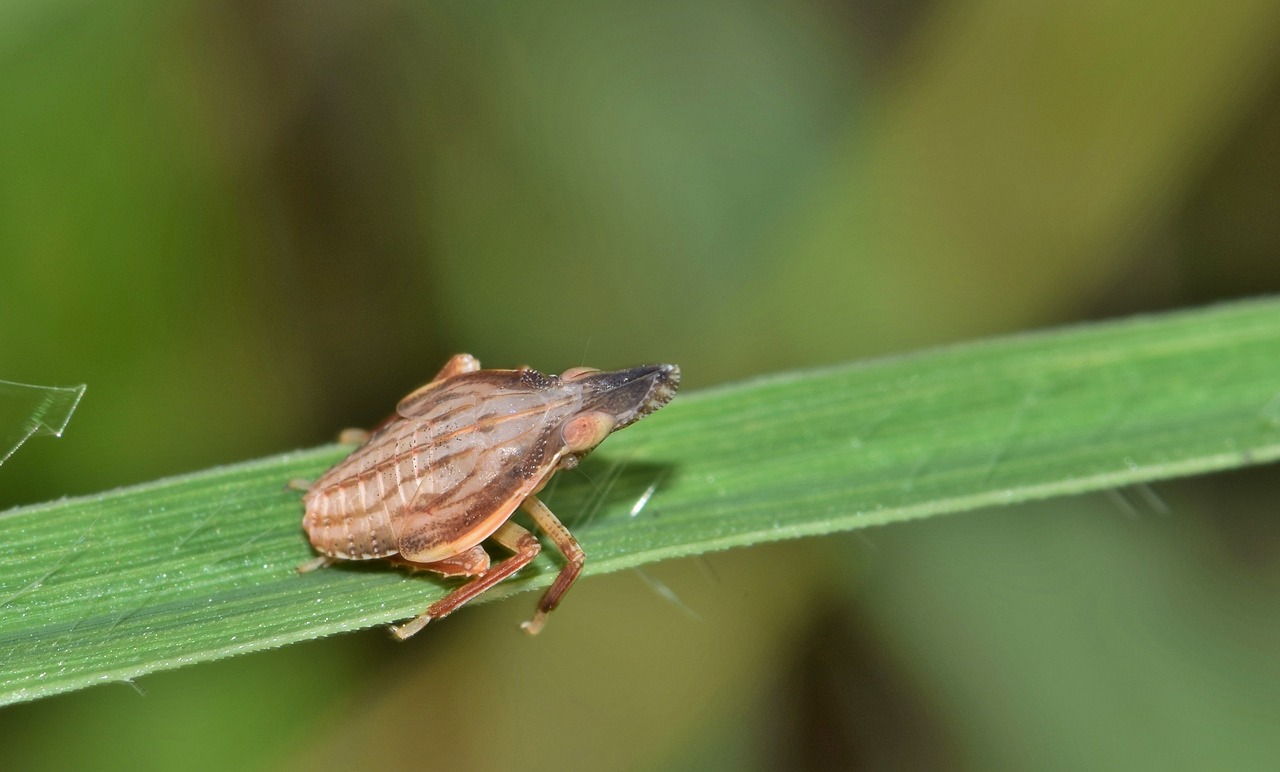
x,y
460,455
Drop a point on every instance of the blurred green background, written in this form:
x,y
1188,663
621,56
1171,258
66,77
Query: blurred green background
x,y
247,225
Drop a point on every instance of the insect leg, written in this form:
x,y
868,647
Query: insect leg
x,y
312,565
509,535
457,365
573,555
353,437
473,562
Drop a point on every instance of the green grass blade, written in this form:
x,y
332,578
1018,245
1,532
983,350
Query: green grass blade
x,y
198,567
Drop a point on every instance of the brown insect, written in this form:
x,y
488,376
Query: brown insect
x,y
449,469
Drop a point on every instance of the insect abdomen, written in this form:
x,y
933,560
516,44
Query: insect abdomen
x,y
353,516
340,524
456,452
355,511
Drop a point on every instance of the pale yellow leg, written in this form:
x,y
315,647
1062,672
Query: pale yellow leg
x,y
353,437
573,555
457,365
312,565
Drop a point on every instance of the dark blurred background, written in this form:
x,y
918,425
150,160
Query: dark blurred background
x,y
247,225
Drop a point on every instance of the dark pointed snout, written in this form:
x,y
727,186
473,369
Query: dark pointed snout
x,y
629,395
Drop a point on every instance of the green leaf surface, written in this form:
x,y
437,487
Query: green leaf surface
x,y
193,568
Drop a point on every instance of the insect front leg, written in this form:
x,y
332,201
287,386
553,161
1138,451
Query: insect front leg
x,y
573,555
509,535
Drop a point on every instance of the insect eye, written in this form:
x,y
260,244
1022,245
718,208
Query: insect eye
x,y
574,373
584,432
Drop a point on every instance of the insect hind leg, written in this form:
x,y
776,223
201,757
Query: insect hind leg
x,y
509,535
473,562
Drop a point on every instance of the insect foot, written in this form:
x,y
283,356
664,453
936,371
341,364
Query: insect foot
x,y
459,457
